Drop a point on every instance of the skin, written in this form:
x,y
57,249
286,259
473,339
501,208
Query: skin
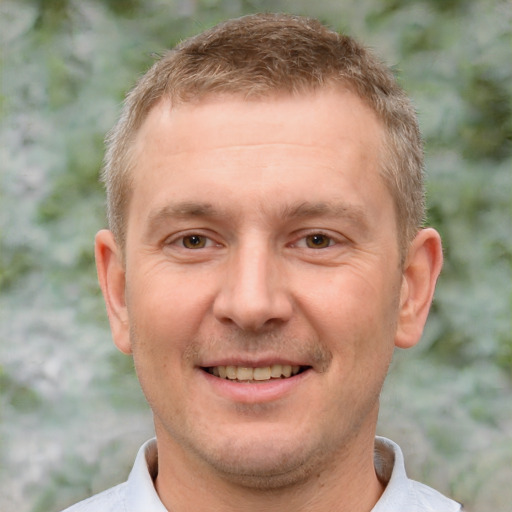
x,y
295,261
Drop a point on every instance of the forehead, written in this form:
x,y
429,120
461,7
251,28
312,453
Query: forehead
x,y
322,118
267,153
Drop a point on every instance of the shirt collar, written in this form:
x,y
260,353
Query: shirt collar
x,y
402,493
390,469
141,494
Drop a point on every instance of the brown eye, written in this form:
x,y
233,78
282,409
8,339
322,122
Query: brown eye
x,y
194,241
318,241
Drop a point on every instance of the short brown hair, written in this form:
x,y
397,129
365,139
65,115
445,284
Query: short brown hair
x,y
262,55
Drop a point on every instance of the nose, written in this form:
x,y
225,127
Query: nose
x,y
254,294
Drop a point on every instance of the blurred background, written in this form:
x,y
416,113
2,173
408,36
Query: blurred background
x,y
71,413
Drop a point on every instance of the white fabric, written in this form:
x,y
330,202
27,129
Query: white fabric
x,y
138,493
401,493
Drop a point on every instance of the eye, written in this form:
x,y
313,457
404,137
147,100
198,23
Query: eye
x,y
194,241
318,241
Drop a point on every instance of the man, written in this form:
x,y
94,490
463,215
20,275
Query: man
x,y
265,256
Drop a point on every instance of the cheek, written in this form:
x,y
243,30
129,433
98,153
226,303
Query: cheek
x,y
166,299
355,313
164,315
160,330
345,295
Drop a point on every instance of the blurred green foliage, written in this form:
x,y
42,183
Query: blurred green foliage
x,y
71,412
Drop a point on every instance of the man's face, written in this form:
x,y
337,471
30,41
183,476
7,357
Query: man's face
x,y
261,241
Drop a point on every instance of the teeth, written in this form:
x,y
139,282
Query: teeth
x,y
231,372
276,371
243,373
262,373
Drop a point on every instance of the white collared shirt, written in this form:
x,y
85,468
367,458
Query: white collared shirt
x,y
138,493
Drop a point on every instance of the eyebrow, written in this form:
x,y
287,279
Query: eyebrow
x,y
305,209
352,213
330,209
182,210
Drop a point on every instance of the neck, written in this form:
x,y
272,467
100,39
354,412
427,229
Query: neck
x,y
347,483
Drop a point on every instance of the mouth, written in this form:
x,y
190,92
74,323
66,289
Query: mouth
x,y
257,374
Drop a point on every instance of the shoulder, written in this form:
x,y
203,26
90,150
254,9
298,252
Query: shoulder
x,y
111,500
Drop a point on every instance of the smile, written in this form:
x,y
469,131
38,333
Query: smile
x,y
248,374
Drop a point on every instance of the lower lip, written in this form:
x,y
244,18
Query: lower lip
x,y
254,392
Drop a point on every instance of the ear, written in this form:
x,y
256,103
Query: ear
x,y
421,270
111,275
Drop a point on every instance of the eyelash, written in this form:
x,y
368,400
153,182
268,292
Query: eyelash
x,y
301,242
180,241
331,240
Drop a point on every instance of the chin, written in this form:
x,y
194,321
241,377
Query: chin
x,y
265,474
266,464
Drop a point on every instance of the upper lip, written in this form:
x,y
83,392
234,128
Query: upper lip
x,y
252,363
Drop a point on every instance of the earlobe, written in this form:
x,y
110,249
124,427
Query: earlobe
x,y
111,276
421,270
